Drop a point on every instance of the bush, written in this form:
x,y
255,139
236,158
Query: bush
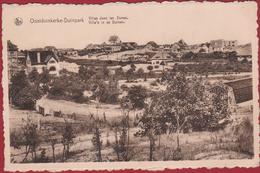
x,y
124,87
16,139
106,93
56,91
154,83
21,92
82,99
243,133
26,97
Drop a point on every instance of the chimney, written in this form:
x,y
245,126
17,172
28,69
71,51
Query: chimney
x,y
38,57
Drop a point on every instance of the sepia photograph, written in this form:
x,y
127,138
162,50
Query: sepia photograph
x,y
173,85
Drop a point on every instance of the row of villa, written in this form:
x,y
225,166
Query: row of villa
x,y
156,55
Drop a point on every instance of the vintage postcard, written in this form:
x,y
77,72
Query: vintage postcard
x,y
130,86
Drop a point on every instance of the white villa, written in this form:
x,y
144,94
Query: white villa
x,y
41,60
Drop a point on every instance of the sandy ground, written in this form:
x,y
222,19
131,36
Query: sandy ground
x,y
67,107
196,145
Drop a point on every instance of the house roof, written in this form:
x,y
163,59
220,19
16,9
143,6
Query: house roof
x,y
93,46
175,46
21,55
242,83
45,56
161,56
244,50
242,89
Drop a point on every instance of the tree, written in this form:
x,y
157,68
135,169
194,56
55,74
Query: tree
x,y
97,143
140,72
33,76
188,56
219,112
106,93
232,56
126,107
11,46
153,44
114,39
31,138
121,147
68,87
52,140
26,98
137,96
45,77
148,128
189,104
183,45
67,139
22,93
119,72
115,126
105,72
244,61
85,72
129,74
44,81
16,139
18,82
134,100
40,81
133,67
150,68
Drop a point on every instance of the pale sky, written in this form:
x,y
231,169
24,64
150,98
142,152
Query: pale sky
x,y
163,23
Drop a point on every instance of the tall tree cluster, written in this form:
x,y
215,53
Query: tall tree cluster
x,y
187,104
22,92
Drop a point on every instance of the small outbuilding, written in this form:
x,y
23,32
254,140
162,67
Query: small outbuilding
x,y
242,90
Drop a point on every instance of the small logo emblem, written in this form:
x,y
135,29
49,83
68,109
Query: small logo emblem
x,y
18,21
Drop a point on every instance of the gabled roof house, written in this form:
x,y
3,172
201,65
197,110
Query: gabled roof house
x,y
43,60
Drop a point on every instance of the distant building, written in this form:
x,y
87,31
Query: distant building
x,y
160,60
194,48
129,45
93,48
71,67
205,48
223,45
41,60
244,52
50,48
115,47
151,46
71,52
175,48
16,61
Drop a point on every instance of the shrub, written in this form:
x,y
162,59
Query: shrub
x,y
82,99
23,94
124,87
177,154
154,83
26,97
16,139
243,133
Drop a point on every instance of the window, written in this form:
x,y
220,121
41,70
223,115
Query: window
x,y
41,110
52,62
52,68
